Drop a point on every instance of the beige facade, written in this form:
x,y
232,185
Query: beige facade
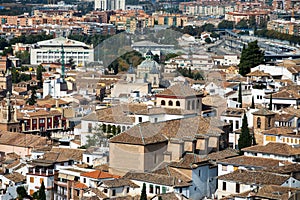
x,y
128,157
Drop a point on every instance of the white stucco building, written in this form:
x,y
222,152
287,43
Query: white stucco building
x,y
49,51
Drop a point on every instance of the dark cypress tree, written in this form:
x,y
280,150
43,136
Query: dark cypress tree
x,y
245,139
252,104
42,193
143,194
270,104
240,97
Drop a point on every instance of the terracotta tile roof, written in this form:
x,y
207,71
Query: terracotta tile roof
x,y
258,73
103,167
274,148
179,91
97,174
170,196
274,192
121,182
42,113
173,172
79,185
157,179
286,131
248,161
283,117
51,102
289,92
98,193
263,112
68,154
292,111
149,133
214,101
14,164
16,177
234,112
254,177
285,169
116,114
189,161
159,110
22,140
219,155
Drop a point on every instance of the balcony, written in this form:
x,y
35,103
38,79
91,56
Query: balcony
x,y
41,172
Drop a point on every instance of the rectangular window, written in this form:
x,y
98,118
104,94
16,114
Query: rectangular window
x,y
127,190
237,124
151,189
84,180
87,159
224,186
31,179
237,188
105,190
140,119
113,192
164,190
199,173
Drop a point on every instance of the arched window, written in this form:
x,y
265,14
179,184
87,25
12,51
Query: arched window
x,y
170,103
258,123
163,103
177,103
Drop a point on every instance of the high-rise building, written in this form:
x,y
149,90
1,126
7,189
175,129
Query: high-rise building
x,y
109,4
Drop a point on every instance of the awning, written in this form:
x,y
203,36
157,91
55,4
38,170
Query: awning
x,y
64,176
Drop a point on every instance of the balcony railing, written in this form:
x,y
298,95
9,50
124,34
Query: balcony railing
x,y
43,172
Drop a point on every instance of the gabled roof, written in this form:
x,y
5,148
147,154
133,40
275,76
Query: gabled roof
x,y
263,112
254,177
250,161
189,161
156,179
15,177
22,140
121,182
97,174
150,133
258,73
178,91
274,148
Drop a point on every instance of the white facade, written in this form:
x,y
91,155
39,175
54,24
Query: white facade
x,y
49,51
109,4
56,88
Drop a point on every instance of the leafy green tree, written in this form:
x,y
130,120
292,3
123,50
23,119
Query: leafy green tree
x,y
243,24
160,198
143,193
39,73
22,193
24,56
240,97
32,99
270,104
208,40
252,22
225,24
14,75
245,139
251,57
3,43
99,137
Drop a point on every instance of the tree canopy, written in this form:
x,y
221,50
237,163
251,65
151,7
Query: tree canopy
x,y
225,24
251,57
